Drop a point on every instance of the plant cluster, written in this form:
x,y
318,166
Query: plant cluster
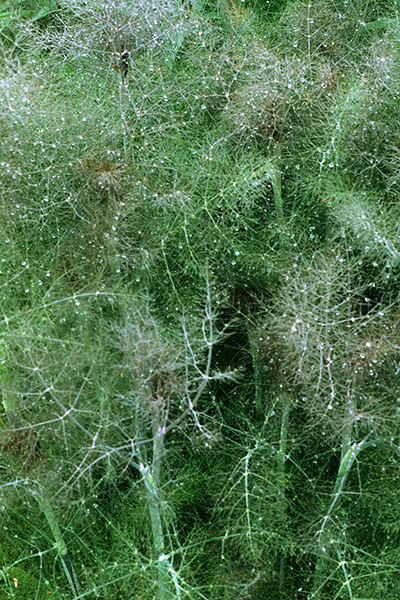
x,y
199,340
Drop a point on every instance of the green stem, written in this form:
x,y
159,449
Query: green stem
x,y
281,470
61,546
277,184
258,363
167,586
321,568
164,572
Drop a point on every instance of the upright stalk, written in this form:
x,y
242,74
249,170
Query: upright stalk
x,y
61,546
258,364
322,565
277,183
281,472
163,580
167,586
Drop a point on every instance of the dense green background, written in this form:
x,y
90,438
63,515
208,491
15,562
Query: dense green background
x,y
199,306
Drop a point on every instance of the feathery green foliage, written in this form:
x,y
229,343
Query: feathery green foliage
x,y
199,316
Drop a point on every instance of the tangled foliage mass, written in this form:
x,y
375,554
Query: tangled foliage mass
x,y
199,307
